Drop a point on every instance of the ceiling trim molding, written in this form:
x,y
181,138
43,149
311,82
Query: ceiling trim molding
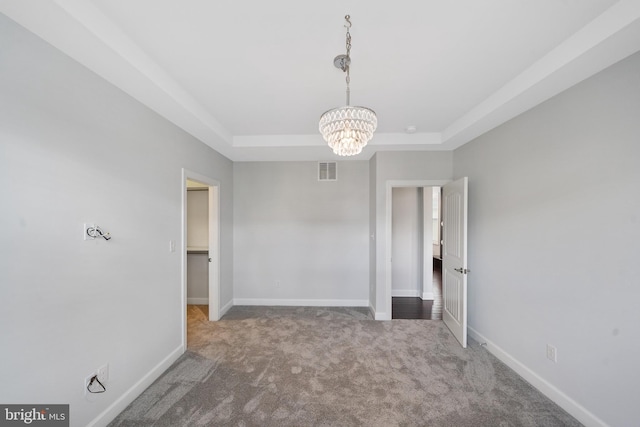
x,y
609,38
379,140
83,32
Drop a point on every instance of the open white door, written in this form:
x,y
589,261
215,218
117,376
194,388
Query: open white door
x,y
454,258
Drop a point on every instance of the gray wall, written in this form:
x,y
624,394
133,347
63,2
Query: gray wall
x,y
407,242
373,167
198,278
74,149
198,219
554,239
197,241
298,240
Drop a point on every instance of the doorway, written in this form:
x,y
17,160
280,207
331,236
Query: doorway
x,y
197,243
200,246
416,277
419,293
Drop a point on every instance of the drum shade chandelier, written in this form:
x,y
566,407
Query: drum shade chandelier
x,y
347,129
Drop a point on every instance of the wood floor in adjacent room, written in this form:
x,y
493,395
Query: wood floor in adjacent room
x,y
417,308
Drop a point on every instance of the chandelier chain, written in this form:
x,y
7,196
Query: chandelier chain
x,y
348,59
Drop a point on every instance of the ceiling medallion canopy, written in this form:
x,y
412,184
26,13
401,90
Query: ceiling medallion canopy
x,y
347,129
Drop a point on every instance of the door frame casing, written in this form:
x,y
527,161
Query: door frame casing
x,y
214,246
390,185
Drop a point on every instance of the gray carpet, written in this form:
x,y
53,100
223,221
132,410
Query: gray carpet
x,y
268,366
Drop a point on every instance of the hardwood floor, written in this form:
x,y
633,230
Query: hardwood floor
x,y
201,310
416,308
410,308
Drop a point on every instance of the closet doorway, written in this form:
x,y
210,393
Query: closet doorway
x,y
200,246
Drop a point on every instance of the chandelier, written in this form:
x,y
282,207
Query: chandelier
x,y
347,129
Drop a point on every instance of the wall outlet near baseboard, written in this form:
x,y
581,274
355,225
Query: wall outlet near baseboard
x,y
102,373
552,353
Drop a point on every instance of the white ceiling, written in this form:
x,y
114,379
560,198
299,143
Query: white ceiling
x,y
250,78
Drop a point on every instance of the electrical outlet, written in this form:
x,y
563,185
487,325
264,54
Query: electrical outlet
x,y
552,353
103,376
86,235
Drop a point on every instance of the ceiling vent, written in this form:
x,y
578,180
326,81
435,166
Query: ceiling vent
x,y
327,171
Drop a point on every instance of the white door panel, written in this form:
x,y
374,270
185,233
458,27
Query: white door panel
x,y
454,258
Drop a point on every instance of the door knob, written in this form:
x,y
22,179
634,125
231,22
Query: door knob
x,y
462,270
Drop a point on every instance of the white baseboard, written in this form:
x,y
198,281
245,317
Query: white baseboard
x,y
303,302
428,296
378,315
565,402
225,308
129,396
198,301
372,311
405,293
382,316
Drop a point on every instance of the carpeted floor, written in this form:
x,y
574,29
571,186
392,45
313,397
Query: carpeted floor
x,y
272,366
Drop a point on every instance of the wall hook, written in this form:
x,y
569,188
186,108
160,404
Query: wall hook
x,y
96,231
